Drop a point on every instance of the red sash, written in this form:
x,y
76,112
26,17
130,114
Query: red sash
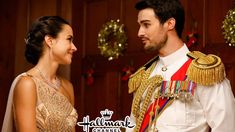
x,y
179,75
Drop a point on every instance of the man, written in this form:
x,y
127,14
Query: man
x,y
178,90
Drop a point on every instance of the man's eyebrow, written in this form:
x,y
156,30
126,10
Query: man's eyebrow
x,y
143,21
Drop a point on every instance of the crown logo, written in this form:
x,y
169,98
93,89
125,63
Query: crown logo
x,y
106,114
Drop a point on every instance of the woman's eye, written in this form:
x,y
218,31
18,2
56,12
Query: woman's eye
x,y
70,39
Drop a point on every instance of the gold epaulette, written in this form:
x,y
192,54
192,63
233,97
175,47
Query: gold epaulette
x,y
135,79
205,69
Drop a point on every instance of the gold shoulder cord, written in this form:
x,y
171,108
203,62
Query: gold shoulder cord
x,y
205,69
136,78
142,82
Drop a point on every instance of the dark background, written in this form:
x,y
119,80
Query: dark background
x,y
87,18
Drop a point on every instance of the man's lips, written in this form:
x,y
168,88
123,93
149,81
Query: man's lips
x,y
144,40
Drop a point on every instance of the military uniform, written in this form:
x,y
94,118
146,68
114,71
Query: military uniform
x,y
182,92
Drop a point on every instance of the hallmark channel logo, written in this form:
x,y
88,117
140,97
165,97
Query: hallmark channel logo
x,y
104,124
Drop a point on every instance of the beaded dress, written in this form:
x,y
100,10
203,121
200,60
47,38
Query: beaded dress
x,y
54,112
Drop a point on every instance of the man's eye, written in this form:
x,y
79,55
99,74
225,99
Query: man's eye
x,y
146,25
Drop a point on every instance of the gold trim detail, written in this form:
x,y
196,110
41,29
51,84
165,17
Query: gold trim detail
x,y
144,83
205,69
135,80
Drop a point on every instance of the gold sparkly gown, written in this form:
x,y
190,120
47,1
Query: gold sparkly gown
x,y
54,112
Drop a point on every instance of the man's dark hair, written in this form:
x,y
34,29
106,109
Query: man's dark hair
x,y
165,9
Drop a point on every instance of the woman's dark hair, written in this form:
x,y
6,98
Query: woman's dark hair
x,y
46,25
165,9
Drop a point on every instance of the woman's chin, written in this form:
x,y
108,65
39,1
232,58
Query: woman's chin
x,y
67,62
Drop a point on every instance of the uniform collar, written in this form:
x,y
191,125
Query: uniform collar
x,y
170,59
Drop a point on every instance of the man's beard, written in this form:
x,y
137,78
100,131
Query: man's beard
x,y
157,46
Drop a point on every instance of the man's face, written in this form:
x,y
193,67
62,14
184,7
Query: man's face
x,y
152,33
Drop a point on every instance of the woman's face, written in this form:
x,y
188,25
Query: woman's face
x,y
63,46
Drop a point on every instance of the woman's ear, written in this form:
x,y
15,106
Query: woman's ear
x,y
171,23
48,40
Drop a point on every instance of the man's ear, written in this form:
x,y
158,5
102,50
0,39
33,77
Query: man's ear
x,y
171,23
48,40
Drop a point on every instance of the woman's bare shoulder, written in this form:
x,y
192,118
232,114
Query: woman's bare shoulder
x,y
24,100
25,88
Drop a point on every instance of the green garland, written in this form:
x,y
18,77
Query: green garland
x,y
229,27
112,40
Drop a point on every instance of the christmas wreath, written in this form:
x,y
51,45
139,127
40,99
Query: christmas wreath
x,y
112,40
229,27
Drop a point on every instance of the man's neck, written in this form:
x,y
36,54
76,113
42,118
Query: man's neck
x,y
172,45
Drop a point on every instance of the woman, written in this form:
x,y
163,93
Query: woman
x,y
39,99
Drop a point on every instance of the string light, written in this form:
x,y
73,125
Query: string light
x,y
112,40
228,27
